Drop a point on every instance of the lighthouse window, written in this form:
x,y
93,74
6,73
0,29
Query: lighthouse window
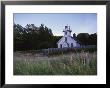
x,y
65,33
65,38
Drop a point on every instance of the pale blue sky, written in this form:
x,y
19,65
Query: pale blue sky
x,y
78,22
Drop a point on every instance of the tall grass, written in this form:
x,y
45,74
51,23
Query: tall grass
x,y
83,63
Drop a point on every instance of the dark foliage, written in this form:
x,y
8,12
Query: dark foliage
x,y
31,37
87,39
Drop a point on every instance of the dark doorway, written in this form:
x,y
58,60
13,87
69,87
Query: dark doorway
x,y
71,44
60,45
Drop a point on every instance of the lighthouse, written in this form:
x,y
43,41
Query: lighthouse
x,y
67,41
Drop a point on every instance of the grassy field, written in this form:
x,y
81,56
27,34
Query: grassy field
x,y
81,63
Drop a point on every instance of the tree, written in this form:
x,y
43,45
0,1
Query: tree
x,y
74,36
86,39
83,38
93,39
31,37
18,38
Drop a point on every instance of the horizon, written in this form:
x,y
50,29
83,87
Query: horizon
x,y
78,22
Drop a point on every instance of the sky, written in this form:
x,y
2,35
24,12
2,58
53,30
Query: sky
x,y
78,22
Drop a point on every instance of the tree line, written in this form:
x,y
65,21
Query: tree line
x,y
31,37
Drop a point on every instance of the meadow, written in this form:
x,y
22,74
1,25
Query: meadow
x,y
72,63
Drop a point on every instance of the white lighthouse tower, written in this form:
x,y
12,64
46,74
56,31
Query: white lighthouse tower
x,y
67,31
67,41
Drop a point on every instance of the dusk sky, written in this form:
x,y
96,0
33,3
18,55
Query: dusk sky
x,y
78,22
